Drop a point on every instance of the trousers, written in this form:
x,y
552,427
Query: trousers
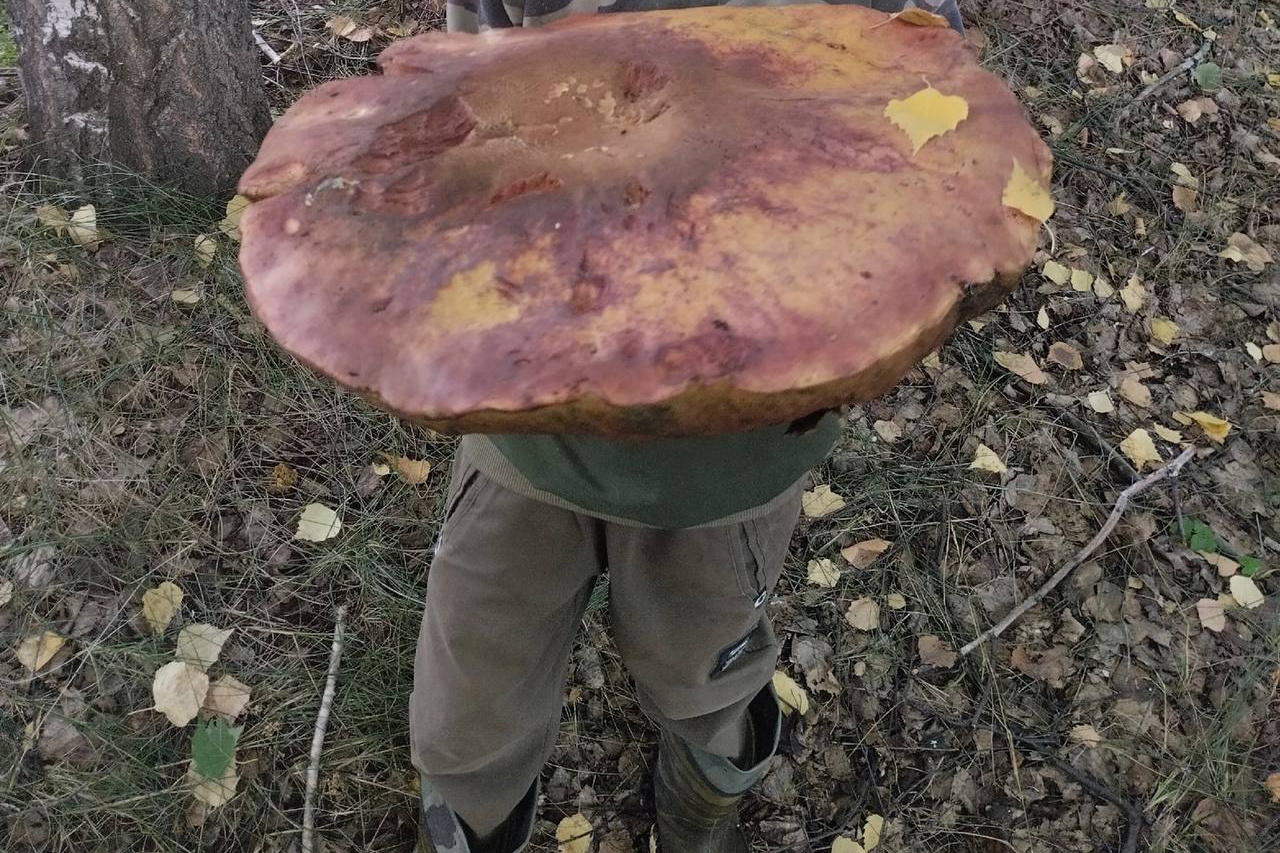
x,y
507,588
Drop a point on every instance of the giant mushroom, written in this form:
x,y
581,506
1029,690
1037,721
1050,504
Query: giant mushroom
x,y
643,225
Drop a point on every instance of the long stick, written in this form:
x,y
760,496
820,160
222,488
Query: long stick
x,y
1170,470
1184,65
317,740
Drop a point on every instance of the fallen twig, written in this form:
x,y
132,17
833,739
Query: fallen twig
x,y
266,48
1184,65
1172,469
1082,428
317,740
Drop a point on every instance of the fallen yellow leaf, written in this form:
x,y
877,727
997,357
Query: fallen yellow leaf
x,y
844,844
1114,57
1133,294
1026,194
985,459
317,523
823,573
1164,330
935,651
227,697
790,694
1140,449
83,227
1172,436
160,605
1243,250
230,224
1056,272
205,248
1132,389
214,792
1225,565
895,601
821,501
38,649
863,554
1273,786
178,691
1081,281
573,834
871,832
1100,402
1023,366
1185,198
1246,592
1042,318
1213,616
412,471
1271,400
863,614
185,296
927,114
201,644
1214,427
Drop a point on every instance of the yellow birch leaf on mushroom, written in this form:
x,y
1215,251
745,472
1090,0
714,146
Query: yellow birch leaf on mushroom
x,y
920,18
1022,365
1028,195
159,605
317,523
1214,427
821,501
790,694
985,459
1140,449
823,573
573,834
37,650
926,114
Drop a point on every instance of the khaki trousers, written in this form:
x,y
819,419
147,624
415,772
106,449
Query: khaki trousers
x,y
508,586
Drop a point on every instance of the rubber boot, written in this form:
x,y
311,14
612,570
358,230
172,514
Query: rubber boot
x,y
697,794
440,829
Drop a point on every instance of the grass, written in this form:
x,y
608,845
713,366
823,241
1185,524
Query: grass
x,y
8,50
174,417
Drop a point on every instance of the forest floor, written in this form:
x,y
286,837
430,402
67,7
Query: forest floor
x,y
150,432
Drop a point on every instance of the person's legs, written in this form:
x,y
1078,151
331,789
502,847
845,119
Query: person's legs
x,y
506,591
688,611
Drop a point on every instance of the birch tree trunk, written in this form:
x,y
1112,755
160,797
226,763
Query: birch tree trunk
x,y
169,89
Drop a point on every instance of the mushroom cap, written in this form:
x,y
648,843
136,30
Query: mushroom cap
x,y
637,225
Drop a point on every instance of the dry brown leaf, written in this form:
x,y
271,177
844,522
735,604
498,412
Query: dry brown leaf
x,y
934,651
1271,352
863,554
1225,566
283,478
863,614
1185,178
1271,400
888,431
821,501
1132,389
1086,735
1213,616
1021,365
38,649
214,792
1114,57
1065,354
1185,198
1273,786
160,605
345,27
227,697
1196,108
1243,250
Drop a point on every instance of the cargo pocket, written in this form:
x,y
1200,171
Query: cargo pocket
x,y
759,549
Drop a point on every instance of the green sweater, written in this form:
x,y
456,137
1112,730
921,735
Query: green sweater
x,y
673,483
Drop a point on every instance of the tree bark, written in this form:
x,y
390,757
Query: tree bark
x,y
167,89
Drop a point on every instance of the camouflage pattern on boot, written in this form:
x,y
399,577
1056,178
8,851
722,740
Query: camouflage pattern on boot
x,y
697,794
440,829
